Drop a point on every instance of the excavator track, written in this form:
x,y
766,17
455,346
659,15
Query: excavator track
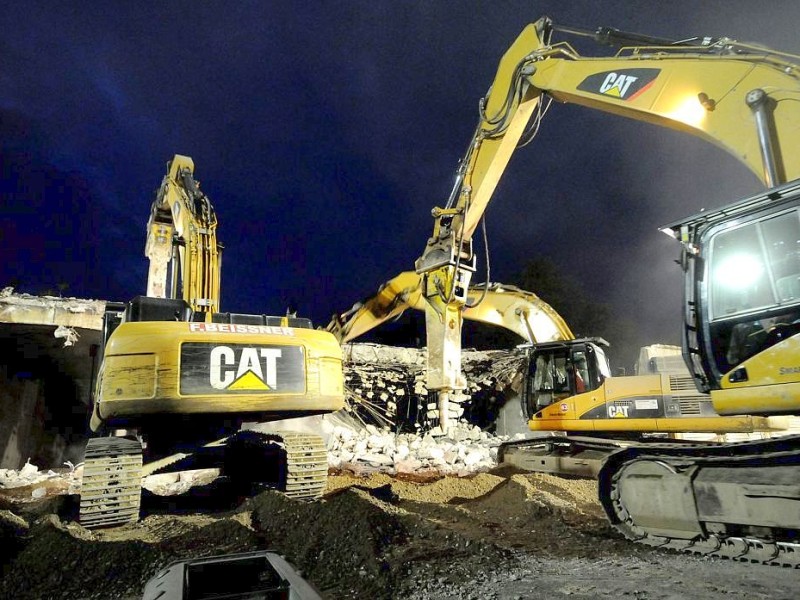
x,y
739,501
111,488
306,465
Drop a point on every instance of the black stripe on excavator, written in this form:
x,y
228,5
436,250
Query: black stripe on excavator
x,y
642,407
624,84
214,368
145,308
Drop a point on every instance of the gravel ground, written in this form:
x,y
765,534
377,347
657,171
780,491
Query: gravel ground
x,y
502,534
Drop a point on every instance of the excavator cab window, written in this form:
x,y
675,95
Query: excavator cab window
x,y
753,283
578,370
590,367
561,371
549,377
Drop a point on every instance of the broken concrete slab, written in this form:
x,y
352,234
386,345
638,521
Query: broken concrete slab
x,y
51,310
385,386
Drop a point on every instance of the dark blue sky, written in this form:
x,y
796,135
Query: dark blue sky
x,y
324,133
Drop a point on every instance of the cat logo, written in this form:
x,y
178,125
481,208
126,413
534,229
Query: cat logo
x,y
617,412
624,84
617,85
212,369
254,369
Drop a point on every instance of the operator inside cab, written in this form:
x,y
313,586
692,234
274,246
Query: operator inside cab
x,y
560,370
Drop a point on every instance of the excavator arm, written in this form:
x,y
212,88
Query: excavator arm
x,y
741,98
182,241
735,96
510,307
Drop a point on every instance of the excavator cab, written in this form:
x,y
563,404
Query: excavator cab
x,y
742,266
559,370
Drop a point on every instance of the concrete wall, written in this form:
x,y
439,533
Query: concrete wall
x,y
19,429
43,414
47,347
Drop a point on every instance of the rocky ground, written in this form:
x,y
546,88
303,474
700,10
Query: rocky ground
x,y
492,534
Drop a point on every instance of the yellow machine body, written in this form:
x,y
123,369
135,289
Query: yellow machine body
x,y
645,404
152,368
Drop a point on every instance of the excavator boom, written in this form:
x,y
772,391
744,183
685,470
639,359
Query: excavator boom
x,y
506,306
707,91
182,213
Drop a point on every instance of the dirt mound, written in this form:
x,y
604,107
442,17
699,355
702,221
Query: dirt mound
x,y
65,561
438,490
357,545
518,497
359,542
448,489
56,563
540,495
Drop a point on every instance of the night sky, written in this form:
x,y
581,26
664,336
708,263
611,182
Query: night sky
x,y
324,132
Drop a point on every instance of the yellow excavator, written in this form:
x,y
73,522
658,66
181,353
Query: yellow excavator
x,y
566,383
178,377
691,86
740,501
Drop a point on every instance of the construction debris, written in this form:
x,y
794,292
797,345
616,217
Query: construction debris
x,y
386,387
31,483
465,451
68,334
51,310
352,446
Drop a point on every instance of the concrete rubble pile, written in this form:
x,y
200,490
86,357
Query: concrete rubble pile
x,y
386,387
465,450
172,484
394,424
39,483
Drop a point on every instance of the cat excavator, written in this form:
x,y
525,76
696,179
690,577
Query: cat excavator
x,y
566,383
179,377
740,501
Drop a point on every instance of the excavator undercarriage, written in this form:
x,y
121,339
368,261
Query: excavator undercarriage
x,y
739,501
732,500
293,462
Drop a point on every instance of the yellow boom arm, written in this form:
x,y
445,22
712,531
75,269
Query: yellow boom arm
x,y
512,308
741,98
182,241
